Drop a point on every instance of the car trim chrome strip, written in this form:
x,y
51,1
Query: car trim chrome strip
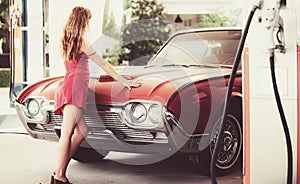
x,y
170,117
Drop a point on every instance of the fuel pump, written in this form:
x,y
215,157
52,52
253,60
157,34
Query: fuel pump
x,y
274,26
268,42
270,95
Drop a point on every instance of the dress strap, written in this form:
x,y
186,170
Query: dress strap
x,y
93,53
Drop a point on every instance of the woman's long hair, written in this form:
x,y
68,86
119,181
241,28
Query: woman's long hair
x,y
73,32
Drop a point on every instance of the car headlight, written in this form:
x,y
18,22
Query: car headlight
x,y
138,112
33,107
142,114
155,113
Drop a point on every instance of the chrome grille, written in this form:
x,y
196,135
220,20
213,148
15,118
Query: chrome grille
x,y
102,120
53,120
48,127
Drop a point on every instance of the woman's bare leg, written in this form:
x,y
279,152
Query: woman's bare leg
x,y
72,115
80,132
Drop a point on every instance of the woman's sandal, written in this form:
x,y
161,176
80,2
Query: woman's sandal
x,y
55,181
52,180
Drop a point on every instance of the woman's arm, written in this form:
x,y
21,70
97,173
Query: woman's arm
x,y
106,66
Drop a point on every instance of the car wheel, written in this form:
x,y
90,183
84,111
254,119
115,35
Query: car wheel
x,y
229,154
89,155
230,150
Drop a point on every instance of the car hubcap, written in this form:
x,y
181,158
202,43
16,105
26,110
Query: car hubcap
x,y
231,143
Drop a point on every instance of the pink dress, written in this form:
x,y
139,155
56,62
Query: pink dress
x,y
74,88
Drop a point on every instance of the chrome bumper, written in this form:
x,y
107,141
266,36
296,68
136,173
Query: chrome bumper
x,y
108,132
46,135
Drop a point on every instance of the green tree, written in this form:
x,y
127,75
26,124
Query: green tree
x,y
127,4
4,24
216,20
145,34
109,26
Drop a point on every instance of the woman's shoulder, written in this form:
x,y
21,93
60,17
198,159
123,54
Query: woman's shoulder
x,y
87,47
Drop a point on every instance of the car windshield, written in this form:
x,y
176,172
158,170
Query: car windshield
x,y
199,48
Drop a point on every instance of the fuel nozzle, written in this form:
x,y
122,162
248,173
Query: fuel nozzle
x,y
282,3
274,27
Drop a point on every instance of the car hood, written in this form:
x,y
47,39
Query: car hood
x,y
157,82
44,88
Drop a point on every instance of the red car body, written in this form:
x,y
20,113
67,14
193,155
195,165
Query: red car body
x,y
176,109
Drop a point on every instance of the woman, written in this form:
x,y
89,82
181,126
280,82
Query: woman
x,y
76,51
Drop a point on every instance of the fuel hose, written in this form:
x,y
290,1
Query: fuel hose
x,y
229,92
284,122
227,101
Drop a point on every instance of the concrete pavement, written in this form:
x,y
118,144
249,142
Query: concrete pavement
x,y
9,121
25,160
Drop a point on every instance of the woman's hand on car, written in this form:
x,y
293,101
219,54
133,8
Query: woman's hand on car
x,y
131,84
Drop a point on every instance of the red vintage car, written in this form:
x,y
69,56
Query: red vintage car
x,y
177,108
